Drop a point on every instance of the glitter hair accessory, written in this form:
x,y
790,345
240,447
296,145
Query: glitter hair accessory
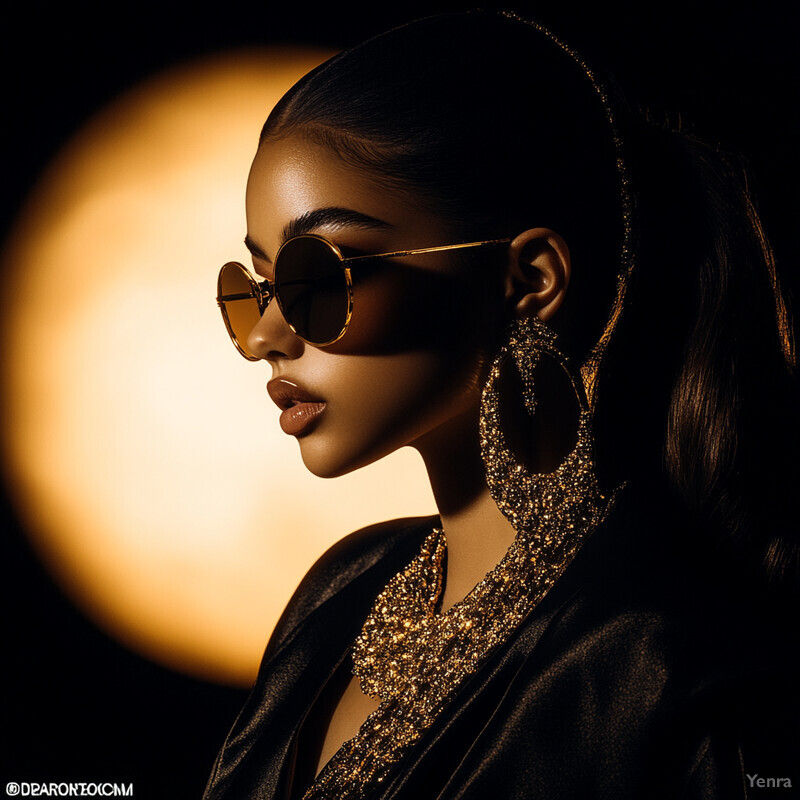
x,y
590,368
414,659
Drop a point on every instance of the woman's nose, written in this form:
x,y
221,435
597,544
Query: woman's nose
x,y
272,338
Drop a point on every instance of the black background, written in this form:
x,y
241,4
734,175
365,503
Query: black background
x,y
77,706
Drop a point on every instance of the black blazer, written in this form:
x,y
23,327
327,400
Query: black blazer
x,y
642,674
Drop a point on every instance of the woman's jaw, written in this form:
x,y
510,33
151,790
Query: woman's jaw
x,y
348,415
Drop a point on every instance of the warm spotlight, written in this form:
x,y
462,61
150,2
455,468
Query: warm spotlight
x,y
143,452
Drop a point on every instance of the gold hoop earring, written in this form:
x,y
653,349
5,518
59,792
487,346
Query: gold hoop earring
x,y
554,509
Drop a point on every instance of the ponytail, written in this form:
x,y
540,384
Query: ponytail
x,y
707,344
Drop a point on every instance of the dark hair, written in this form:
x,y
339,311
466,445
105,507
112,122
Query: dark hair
x,y
496,124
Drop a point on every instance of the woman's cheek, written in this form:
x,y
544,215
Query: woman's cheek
x,y
401,308
377,404
412,358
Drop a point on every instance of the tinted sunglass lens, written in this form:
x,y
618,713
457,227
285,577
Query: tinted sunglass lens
x,y
239,304
312,289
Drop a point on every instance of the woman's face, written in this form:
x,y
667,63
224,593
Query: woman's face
x,y
408,370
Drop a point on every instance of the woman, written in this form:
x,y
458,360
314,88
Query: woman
x,y
573,316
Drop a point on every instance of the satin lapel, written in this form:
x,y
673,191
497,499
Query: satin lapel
x,y
257,754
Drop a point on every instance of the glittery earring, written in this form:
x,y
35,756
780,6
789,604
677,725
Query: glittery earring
x,y
527,339
524,496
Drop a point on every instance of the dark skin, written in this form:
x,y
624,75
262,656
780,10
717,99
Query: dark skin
x,y
409,369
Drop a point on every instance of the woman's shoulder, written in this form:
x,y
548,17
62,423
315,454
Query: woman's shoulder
x,y
650,586
655,660
385,546
644,612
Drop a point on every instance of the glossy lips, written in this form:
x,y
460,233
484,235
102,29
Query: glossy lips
x,y
300,409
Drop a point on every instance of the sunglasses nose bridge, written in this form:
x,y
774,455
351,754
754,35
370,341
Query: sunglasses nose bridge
x,y
272,338
265,292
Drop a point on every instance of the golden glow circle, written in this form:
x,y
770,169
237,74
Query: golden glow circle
x,y
142,450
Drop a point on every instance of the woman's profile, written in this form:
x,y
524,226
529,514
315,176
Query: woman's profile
x,y
468,245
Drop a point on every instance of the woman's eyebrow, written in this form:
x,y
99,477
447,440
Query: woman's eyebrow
x,y
319,217
254,249
333,215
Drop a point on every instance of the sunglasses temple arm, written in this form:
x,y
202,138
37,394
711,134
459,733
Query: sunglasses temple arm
x,y
439,249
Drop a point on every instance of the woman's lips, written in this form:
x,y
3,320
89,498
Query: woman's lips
x,y
300,409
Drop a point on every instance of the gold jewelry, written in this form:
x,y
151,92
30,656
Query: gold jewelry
x,y
521,495
414,659
526,341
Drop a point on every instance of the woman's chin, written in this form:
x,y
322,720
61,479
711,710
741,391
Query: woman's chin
x,y
325,460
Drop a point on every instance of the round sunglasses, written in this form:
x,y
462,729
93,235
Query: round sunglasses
x,y
312,285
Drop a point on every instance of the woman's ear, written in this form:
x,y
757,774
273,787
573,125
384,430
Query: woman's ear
x,y
538,273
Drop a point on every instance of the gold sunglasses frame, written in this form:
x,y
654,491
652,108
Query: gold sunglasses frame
x,y
265,290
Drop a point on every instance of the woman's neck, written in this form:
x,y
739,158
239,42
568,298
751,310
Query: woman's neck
x,y
478,534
